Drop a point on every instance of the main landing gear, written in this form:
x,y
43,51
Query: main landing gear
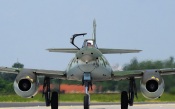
x,y
128,98
87,82
50,100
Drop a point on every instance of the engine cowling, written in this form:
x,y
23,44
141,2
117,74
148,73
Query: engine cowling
x,y
152,84
26,84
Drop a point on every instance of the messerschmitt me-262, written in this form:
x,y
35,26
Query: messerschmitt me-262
x,y
89,65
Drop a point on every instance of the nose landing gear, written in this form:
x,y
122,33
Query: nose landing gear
x,y
87,82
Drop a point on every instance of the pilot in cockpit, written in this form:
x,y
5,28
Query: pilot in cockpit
x,y
89,43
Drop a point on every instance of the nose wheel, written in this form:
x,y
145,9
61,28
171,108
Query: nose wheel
x,y
86,101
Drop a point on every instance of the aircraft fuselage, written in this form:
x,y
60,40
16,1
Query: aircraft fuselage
x,y
89,59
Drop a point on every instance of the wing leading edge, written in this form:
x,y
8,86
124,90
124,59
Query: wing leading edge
x,y
63,50
119,75
39,72
103,50
120,51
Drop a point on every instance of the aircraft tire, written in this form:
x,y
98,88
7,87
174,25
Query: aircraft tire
x,y
86,101
124,100
54,100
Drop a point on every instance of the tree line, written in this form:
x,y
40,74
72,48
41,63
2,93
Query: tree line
x,y
6,80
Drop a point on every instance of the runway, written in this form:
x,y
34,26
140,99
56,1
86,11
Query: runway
x,y
100,106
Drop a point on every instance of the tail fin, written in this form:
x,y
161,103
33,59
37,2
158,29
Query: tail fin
x,y
94,31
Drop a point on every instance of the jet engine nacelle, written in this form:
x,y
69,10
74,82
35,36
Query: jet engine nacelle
x,y
152,84
26,84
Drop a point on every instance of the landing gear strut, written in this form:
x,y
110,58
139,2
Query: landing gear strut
x,y
46,90
128,98
50,100
87,82
132,91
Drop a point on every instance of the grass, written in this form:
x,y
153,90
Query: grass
x,y
79,98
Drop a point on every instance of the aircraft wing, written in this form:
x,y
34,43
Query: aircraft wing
x,y
103,50
120,51
63,50
120,75
39,72
8,70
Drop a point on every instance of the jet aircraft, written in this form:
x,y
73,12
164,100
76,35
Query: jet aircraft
x,y
89,65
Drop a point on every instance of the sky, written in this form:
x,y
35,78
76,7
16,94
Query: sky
x,y
29,27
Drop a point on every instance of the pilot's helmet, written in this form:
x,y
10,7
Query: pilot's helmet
x,y
89,43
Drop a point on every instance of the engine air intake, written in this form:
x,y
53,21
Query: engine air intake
x,y
152,85
24,84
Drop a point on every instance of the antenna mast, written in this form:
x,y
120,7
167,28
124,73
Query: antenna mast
x,y
94,31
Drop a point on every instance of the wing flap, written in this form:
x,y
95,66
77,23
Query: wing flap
x,y
120,51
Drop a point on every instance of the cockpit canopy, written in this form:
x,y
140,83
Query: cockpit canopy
x,y
89,43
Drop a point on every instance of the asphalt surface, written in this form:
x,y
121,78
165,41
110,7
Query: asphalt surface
x,y
43,104
93,106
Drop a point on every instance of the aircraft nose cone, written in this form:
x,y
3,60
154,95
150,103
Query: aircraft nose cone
x,y
87,58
